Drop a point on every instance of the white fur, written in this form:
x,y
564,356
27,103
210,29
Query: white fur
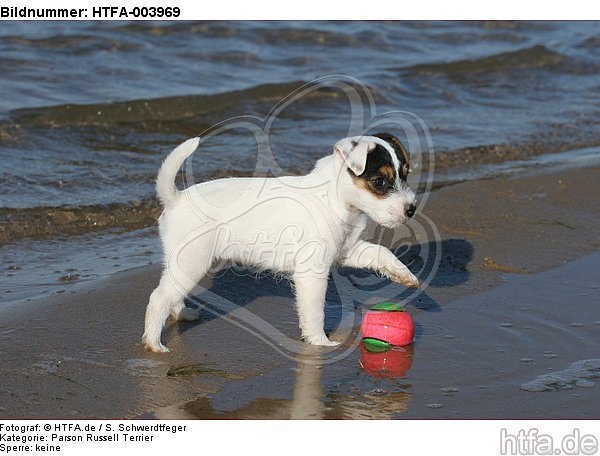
x,y
296,225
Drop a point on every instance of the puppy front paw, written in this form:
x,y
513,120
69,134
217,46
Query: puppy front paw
x,y
413,282
321,340
406,278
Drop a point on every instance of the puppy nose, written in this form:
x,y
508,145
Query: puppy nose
x,y
410,210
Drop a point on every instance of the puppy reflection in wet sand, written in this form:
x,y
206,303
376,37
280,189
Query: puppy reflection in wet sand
x,y
377,392
297,226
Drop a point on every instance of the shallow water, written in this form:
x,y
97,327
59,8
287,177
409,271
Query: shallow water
x,y
89,109
536,357
61,264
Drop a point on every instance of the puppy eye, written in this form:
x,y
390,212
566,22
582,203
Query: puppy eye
x,y
379,182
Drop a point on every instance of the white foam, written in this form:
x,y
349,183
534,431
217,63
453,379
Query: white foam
x,y
578,374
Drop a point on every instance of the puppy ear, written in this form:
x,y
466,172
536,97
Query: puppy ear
x,y
354,153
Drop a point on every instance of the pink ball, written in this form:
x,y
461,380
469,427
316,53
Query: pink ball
x,y
388,322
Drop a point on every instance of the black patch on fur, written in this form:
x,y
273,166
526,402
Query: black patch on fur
x,y
401,153
377,159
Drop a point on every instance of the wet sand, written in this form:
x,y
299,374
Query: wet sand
x,y
515,297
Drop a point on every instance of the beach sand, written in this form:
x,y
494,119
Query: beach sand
x,y
516,297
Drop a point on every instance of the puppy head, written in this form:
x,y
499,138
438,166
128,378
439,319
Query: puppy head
x,y
377,167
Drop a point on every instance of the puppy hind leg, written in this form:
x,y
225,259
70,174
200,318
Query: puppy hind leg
x,y
180,312
157,312
168,299
310,299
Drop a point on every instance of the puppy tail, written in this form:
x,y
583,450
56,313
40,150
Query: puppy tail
x,y
165,182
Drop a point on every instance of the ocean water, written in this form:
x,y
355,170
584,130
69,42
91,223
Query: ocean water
x,y
89,109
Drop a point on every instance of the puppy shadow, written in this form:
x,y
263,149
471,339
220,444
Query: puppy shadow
x,y
242,287
451,269
445,266
439,265
238,286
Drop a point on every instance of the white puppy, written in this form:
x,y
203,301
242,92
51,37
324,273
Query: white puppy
x,y
295,225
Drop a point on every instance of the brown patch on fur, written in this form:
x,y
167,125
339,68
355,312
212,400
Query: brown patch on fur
x,y
368,186
388,172
404,171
